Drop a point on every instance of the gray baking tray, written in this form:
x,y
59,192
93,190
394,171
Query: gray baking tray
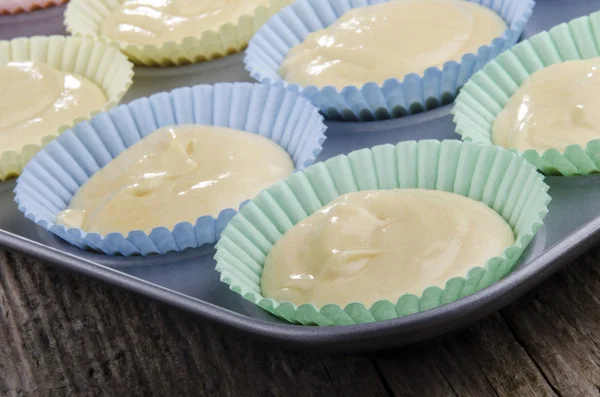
x,y
188,281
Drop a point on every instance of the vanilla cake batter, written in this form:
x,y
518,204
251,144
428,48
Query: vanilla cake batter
x,y
555,107
378,245
36,100
176,174
391,39
160,21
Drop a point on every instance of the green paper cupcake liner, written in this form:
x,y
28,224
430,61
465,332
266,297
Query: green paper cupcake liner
x,y
497,177
84,17
485,95
101,63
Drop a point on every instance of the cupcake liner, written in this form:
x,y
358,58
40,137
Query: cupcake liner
x,y
101,63
53,176
395,98
503,181
83,18
485,95
18,6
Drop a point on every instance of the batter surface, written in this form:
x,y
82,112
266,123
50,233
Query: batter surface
x,y
373,245
556,107
392,39
36,100
176,174
160,21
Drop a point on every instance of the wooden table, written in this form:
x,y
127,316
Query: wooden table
x,y
63,335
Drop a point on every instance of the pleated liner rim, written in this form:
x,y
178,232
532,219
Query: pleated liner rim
x,y
59,50
492,175
231,38
53,176
485,95
372,101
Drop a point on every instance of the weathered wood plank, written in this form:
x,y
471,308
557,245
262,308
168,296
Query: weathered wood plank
x,y
67,335
62,334
559,325
410,376
485,360
353,376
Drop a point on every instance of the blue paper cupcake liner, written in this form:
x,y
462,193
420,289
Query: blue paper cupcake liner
x,y
395,98
52,177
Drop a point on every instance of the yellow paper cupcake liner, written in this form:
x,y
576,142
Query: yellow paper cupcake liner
x,y
84,17
100,62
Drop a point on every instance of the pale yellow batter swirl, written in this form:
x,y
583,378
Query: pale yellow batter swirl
x,y
388,40
555,107
378,245
36,100
160,21
176,174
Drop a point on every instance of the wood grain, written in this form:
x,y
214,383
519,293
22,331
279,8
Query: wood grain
x,y
66,335
63,335
559,325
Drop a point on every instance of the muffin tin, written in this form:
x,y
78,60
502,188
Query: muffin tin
x,y
188,281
